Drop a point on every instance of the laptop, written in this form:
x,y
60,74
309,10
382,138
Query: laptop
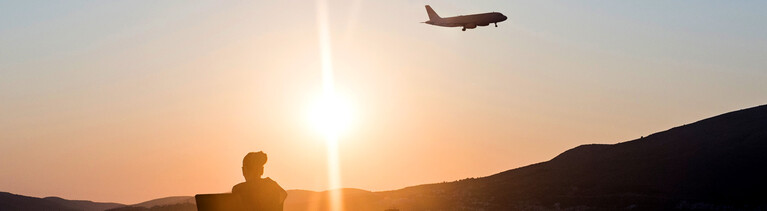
x,y
218,202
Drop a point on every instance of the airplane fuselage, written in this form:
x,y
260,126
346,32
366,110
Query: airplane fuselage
x,y
465,21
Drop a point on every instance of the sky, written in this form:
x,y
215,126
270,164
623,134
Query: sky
x,y
127,101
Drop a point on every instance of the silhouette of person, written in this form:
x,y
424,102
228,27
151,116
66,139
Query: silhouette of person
x,y
256,193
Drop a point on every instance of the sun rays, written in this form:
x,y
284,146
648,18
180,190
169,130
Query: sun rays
x,y
330,116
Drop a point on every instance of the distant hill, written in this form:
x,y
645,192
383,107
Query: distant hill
x,y
82,204
719,163
9,201
172,207
166,201
715,163
173,203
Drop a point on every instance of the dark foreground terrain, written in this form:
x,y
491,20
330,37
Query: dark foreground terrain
x,y
719,163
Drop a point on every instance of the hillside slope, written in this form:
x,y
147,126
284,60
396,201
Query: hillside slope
x,y
9,201
717,162
713,164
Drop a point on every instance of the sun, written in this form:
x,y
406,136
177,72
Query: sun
x,y
331,115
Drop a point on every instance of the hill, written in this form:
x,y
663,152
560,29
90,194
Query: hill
x,y
713,164
9,201
166,201
169,207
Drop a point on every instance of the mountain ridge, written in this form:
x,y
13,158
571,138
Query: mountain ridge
x,y
711,164
10,201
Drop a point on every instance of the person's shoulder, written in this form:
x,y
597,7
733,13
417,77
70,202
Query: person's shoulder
x,y
238,187
270,181
273,184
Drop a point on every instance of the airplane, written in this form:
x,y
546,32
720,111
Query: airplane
x,y
466,21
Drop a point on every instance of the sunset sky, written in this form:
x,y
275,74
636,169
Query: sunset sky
x,y
127,101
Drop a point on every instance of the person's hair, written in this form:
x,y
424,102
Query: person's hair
x,y
254,159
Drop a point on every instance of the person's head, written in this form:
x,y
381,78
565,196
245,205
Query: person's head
x,y
253,165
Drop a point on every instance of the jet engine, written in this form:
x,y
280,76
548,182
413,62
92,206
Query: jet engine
x,y
483,24
470,26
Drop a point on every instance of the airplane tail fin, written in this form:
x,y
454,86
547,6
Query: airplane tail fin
x,y
432,15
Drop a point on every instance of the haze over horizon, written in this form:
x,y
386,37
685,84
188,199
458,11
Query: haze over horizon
x,y
127,101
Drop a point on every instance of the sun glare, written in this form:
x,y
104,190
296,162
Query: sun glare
x,y
331,116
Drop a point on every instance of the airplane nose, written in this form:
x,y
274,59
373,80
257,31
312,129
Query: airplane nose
x,y
504,17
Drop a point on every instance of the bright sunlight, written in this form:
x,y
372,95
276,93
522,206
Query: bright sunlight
x,y
331,115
